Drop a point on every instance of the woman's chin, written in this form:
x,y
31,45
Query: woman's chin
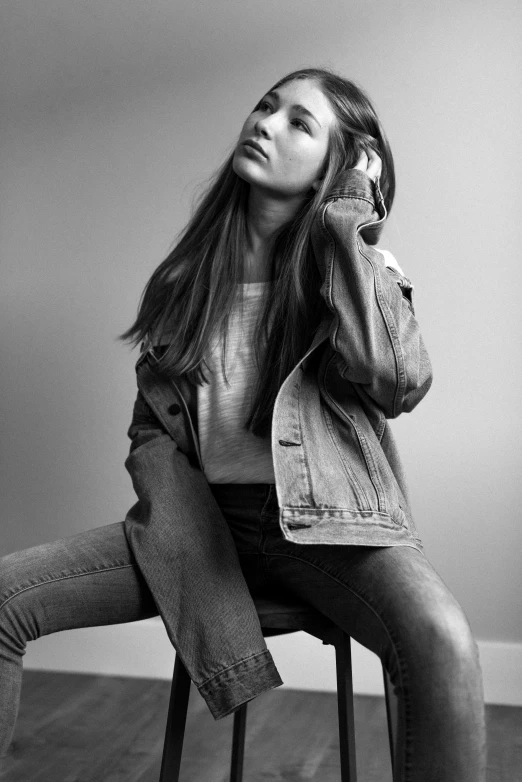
x,y
244,168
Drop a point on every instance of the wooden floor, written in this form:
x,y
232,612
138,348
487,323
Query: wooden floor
x,y
83,728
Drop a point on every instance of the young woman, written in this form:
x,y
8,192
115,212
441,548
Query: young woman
x,y
276,342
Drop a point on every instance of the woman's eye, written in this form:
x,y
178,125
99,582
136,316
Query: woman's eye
x,y
263,106
300,124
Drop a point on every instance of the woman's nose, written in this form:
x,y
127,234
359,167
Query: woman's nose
x,y
263,126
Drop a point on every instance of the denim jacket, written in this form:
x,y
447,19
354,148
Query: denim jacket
x,y
337,471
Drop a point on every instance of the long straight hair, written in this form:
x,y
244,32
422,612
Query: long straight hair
x,y
188,299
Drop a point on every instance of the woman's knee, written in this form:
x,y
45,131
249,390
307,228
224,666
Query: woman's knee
x,y
19,573
17,626
448,641
454,629
13,574
431,616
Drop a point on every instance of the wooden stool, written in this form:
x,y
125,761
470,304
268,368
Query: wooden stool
x,y
276,618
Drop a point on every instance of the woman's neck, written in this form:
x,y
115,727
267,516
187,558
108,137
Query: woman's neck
x,y
266,215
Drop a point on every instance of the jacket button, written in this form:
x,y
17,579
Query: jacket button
x,y
174,409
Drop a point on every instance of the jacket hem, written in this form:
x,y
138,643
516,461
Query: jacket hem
x,y
228,690
370,530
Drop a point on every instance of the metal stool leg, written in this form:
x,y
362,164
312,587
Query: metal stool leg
x,y
343,655
238,744
391,713
175,730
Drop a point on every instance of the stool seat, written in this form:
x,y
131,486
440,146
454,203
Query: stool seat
x,y
289,615
277,615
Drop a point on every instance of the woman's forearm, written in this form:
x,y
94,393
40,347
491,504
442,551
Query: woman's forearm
x,y
374,330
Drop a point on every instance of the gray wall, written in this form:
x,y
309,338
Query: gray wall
x,y
113,114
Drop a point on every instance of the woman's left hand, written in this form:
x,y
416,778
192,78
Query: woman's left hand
x,y
370,162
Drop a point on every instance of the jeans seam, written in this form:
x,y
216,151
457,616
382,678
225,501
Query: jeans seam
x,y
62,578
402,672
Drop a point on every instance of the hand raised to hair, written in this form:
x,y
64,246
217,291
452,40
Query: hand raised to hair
x,y
370,162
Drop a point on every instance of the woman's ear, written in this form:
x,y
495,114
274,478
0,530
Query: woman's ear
x,y
323,171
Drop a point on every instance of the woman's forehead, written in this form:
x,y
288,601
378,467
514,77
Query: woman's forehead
x,y
306,93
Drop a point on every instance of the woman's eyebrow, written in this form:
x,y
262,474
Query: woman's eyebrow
x,y
296,107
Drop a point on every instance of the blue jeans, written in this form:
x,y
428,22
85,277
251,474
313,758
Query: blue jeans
x,y
390,599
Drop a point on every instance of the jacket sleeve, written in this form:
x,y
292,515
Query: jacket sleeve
x,y
145,425
374,331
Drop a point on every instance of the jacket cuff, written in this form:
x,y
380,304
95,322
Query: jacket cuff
x,y
354,183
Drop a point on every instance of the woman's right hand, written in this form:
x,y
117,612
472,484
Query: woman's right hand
x,y
369,162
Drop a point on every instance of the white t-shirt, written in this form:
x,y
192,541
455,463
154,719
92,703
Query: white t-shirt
x,y
230,453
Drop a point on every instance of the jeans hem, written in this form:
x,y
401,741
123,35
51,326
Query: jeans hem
x,y
240,683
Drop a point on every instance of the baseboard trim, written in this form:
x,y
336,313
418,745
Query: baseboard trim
x,y
142,649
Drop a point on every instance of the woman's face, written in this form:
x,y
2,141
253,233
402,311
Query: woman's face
x,y
291,128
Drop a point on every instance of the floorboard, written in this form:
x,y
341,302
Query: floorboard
x,y
87,728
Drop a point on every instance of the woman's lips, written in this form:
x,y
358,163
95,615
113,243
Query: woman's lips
x,y
252,145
